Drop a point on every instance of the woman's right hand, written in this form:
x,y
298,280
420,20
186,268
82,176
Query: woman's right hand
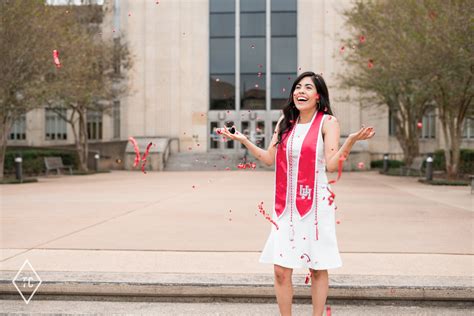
x,y
236,136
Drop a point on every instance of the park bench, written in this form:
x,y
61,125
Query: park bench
x,y
55,163
416,165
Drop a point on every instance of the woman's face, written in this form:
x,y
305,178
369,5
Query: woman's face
x,y
305,95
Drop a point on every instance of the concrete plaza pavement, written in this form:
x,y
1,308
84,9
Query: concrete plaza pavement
x,y
206,224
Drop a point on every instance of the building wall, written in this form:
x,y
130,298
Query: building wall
x,y
169,81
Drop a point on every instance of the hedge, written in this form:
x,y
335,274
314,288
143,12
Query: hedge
x,y
466,164
33,159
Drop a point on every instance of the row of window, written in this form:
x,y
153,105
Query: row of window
x,y
248,29
428,126
56,126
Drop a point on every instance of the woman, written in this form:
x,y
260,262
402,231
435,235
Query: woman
x,y
305,144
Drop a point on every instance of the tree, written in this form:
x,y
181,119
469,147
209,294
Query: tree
x,y
385,36
450,59
25,56
90,78
422,56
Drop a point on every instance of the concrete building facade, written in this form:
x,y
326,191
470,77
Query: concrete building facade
x,y
201,63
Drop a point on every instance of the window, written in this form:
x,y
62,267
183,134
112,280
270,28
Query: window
x,y
18,129
391,124
56,125
116,119
252,55
468,130
222,54
428,128
283,50
94,125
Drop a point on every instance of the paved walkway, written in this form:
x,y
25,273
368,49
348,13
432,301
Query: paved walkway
x,y
208,222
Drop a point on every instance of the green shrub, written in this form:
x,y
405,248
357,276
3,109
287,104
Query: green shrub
x,y
33,159
466,165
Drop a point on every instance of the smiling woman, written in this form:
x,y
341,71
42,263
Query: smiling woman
x,y
304,146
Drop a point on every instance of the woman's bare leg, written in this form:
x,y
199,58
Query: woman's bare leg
x,y
283,289
319,290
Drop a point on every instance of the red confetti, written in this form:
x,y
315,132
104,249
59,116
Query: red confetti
x,y
56,59
342,49
308,277
328,310
432,15
248,165
259,75
370,64
360,165
190,148
338,222
419,125
339,169
147,150
308,259
362,39
137,151
267,217
194,187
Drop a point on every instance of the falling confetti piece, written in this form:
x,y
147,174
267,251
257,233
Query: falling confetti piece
x,y
190,148
259,75
138,157
283,90
360,165
252,46
419,125
56,59
308,277
338,222
260,66
145,155
370,64
256,86
267,217
362,39
308,259
328,310
342,49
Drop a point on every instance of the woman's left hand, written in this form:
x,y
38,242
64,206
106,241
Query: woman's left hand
x,y
362,134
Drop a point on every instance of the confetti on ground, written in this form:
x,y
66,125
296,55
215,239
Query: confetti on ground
x,y
342,49
56,58
248,165
267,217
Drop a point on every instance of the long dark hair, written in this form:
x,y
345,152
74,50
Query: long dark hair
x,y
291,113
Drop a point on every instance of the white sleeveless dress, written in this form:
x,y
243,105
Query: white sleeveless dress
x,y
305,251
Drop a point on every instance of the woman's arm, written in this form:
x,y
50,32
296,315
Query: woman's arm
x,y
332,152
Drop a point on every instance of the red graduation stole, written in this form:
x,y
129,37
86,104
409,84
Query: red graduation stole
x,y
306,170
